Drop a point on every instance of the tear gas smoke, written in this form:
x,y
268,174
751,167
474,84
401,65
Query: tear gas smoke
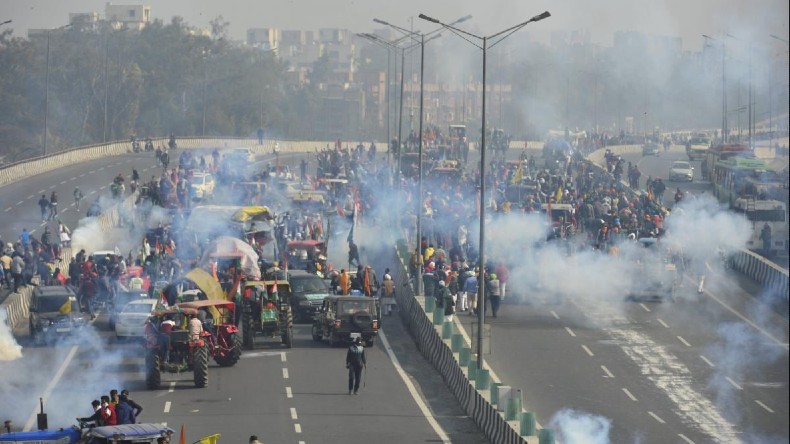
x,y
698,226
577,427
9,349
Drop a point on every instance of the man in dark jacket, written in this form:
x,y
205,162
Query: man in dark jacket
x,y
124,411
135,406
355,362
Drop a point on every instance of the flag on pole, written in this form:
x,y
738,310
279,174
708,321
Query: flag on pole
x,y
558,195
210,439
182,439
519,175
66,307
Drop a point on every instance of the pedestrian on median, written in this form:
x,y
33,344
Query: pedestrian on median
x,y
5,262
17,268
355,362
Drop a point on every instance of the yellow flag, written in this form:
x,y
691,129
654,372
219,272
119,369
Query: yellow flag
x,y
210,439
519,174
558,195
66,307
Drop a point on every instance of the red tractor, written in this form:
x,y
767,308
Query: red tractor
x,y
178,351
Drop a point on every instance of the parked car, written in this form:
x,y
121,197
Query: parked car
x,y
681,170
343,317
307,294
130,322
203,185
54,314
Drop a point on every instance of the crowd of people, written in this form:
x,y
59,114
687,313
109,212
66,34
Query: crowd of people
x,y
113,409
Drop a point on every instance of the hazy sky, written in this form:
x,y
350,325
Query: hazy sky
x,y
685,18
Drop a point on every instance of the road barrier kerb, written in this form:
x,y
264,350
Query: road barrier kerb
x,y
439,353
773,278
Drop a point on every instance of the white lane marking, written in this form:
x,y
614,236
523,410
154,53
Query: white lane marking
x,y
285,373
92,192
172,387
63,182
680,338
19,203
101,168
103,187
733,383
556,316
784,345
91,171
644,307
72,179
768,409
707,361
41,191
426,412
8,209
82,175
167,407
301,442
51,386
30,197
684,438
282,356
661,321
297,428
293,413
606,370
587,349
288,392
656,417
570,332
627,393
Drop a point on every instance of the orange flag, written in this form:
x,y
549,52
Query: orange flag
x,y
182,439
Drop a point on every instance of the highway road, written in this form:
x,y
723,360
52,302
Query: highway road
x,y
296,395
710,367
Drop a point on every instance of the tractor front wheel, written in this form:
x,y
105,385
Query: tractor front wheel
x,y
201,366
233,355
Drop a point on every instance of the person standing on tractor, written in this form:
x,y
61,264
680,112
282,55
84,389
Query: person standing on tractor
x,y
355,362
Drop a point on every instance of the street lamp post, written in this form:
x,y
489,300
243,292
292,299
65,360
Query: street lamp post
x,y
770,94
46,90
724,129
5,22
498,37
421,42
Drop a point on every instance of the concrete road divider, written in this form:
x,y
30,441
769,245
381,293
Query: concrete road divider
x,y
773,278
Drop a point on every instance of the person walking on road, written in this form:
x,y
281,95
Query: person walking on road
x,y
44,204
355,362
53,206
77,197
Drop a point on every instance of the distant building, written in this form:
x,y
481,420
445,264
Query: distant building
x,y
130,16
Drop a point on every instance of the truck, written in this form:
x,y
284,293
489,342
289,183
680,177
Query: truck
x,y
697,146
760,212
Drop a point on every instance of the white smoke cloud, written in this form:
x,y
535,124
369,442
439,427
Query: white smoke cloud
x,y
577,427
9,349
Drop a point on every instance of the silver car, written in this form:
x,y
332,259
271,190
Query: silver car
x,y
681,170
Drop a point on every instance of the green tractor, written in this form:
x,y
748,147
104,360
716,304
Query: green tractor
x,y
266,311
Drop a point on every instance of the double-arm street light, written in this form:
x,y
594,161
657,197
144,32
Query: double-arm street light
x,y
724,129
46,90
484,46
5,22
422,41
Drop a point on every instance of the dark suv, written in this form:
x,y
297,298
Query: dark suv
x,y
54,313
307,294
344,317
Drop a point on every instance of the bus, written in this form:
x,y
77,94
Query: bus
x,y
697,146
738,176
761,212
722,152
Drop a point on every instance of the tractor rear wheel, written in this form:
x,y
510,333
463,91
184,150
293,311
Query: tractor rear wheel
x,y
246,330
201,366
153,372
288,337
316,333
234,353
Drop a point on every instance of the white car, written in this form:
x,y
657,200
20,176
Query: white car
x,y
681,170
203,185
130,322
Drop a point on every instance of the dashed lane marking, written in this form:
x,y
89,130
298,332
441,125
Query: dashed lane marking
x,y
644,307
656,417
92,172
768,409
167,407
7,209
707,361
82,175
587,349
293,413
51,386
31,196
41,191
608,373
748,321
685,342
288,392
103,187
685,438
627,393
664,324
297,428
63,182
19,203
570,332
285,373
733,383
172,387
282,356
553,313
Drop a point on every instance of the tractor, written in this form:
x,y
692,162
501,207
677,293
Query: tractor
x,y
185,354
219,330
266,311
